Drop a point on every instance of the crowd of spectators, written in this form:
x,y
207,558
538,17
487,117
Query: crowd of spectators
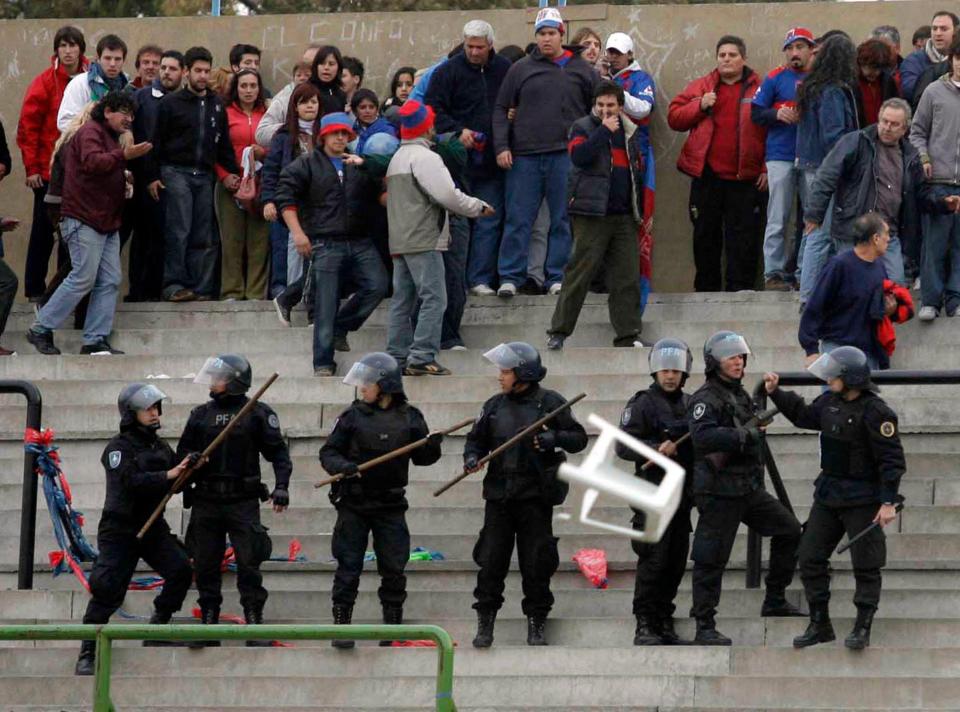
x,y
494,171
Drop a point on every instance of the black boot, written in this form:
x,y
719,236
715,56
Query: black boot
x,y
535,626
820,629
668,633
485,621
342,615
391,616
775,605
210,616
859,637
707,633
253,615
647,632
87,660
159,618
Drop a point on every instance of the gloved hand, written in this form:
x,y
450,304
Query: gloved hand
x,y
751,438
435,439
193,459
281,498
350,469
545,441
470,463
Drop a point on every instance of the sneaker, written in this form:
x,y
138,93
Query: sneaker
x,y
776,284
555,342
640,344
507,290
7,352
927,313
100,348
206,298
950,312
340,343
182,295
482,290
554,289
455,347
531,288
325,371
426,369
283,312
43,342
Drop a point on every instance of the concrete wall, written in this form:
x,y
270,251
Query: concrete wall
x,y
674,42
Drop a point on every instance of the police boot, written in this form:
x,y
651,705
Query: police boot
x,y
535,632
647,632
159,618
776,605
210,616
87,660
707,633
859,637
253,615
820,629
342,615
391,616
668,633
485,621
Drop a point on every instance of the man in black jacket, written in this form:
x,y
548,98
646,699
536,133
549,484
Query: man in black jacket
x,y
324,198
191,136
603,198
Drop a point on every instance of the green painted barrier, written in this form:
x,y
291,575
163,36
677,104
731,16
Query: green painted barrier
x,y
105,635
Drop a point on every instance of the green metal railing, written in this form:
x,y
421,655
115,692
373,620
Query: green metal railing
x,y
105,635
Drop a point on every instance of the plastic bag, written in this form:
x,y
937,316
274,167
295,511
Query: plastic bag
x,y
593,565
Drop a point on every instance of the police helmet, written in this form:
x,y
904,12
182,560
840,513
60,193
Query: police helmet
x,y
136,397
521,358
377,368
723,344
232,369
847,363
670,355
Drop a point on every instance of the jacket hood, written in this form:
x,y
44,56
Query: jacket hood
x,y
632,67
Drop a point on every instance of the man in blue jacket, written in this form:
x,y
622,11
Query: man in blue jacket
x,y
943,28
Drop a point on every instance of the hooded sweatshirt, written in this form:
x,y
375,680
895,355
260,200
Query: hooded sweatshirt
x,y
935,131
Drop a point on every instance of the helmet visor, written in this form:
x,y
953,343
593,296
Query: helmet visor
x,y
826,368
670,359
215,370
503,357
146,397
360,374
730,345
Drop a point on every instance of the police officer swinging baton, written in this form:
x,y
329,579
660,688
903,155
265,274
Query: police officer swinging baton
x,y
512,441
858,537
185,475
386,457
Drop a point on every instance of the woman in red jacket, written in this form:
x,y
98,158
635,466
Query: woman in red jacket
x,y
243,231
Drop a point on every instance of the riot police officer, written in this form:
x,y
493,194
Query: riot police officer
x,y
520,488
728,487
861,463
380,421
140,468
657,416
225,493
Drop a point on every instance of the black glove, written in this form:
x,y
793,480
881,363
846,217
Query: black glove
x,y
751,438
193,458
350,469
281,497
470,462
435,439
545,441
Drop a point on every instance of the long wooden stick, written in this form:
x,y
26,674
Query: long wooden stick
x,y
512,441
386,457
185,475
679,441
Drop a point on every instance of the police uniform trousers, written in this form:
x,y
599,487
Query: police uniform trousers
x,y
391,545
717,527
210,523
120,550
529,522
825,527
660,566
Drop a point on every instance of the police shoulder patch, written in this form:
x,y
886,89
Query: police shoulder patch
x,y
273,421
113,458
888,429
698,410
625,418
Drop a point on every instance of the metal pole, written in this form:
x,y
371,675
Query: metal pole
x,y
101,683
28,499
215,8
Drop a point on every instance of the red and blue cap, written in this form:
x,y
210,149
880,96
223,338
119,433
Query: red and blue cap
x,y
799,33
336,121
548,17
415,119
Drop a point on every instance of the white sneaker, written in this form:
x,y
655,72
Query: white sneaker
x,y
481,290
927,313
507,290
554,289
458,347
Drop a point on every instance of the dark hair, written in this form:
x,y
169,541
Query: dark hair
x,y
173,54
395,82
354,66
866,226
147,49
922,33
111,42
734,40
875,53
531,46
832,33
946,13
609,88
322,54
114,101
834,65
954,50
301,93
234,94
363,95
238,50
512,53
197,54
301,67
70,35
457,49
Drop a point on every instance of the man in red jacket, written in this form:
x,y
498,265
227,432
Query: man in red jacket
x,y
36,134
724,155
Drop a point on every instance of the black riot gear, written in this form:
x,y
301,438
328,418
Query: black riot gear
x,y
670,354
721,345
520,357
232,369
377,368
847,363
136,397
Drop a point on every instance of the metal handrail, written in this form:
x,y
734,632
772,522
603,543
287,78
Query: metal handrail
x,y
105,635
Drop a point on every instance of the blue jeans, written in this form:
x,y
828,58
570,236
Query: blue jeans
x,y
278,258
817,247
95,257
940,261
417,276
332,261
455,276
485,240
192,247
533,178
782,179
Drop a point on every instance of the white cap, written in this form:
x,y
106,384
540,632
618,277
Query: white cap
x,y
621,42
548,17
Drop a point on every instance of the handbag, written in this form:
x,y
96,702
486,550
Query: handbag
x,y
248,194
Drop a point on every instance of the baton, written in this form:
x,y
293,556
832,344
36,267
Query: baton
x,y
185,475
679,441
843,547
394,453
511,442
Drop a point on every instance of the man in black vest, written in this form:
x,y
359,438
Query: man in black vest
x,y
728,488
861,463
658,418
379,421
